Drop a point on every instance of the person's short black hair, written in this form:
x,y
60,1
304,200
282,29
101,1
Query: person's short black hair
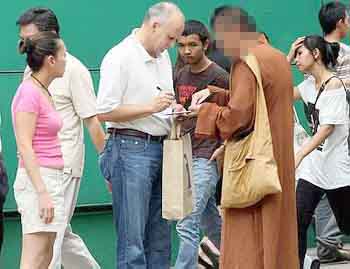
x,y
43,18
232,15
194,27
214,16
330,14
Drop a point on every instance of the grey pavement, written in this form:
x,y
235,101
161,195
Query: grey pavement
x,y
312,252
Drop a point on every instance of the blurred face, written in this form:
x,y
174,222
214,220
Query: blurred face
x,y
304,59
191,48
344,25
165,35
233,40
55,65
26,31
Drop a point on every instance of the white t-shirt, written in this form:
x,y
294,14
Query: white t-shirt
x,y
328,166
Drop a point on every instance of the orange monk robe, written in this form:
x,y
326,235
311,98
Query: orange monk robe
x,y
263,236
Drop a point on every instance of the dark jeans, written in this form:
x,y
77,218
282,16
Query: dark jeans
x,y
308,197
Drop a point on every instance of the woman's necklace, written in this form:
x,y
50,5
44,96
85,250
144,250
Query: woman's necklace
x,y
41,84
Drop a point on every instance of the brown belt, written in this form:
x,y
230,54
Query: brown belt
x,y
135,133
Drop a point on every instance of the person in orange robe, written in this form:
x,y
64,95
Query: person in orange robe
x,y
263,236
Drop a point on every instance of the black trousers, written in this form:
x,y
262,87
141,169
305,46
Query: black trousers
x,y
307,197
1,225
3,192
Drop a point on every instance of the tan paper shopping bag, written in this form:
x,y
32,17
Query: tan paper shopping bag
x,y
177,175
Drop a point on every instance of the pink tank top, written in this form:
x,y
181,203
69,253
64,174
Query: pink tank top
x,y
46,144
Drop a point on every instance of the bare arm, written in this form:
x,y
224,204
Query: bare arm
x,y
295,45
296,93
25,128
316,140
96,132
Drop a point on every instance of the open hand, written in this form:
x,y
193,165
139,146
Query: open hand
x,y
293,48
218,153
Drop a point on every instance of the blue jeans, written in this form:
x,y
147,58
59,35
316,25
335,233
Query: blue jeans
x,y
205,214
134,167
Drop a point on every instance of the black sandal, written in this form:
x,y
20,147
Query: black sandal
x,y
213,257
204,263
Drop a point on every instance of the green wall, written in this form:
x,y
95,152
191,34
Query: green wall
x,y
90,28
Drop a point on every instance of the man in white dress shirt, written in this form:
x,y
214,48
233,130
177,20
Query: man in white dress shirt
x,y
135,88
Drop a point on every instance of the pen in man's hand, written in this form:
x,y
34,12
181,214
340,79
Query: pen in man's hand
x,y
161,90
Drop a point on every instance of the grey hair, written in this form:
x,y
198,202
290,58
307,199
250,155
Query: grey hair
x,y
161,11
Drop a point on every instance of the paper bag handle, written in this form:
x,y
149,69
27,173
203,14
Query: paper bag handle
x,y
175,130
188,171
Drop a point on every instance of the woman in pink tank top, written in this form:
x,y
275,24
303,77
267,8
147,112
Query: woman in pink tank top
x,y
36,123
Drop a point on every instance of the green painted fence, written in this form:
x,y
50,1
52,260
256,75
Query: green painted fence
x,y
91,28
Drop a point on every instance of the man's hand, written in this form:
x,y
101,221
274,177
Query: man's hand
x,y
109,186
218,153
179,117
194,110
197,100
296,44
198,97
162,101
178,108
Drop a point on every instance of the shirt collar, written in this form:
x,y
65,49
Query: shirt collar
x,y
143,52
